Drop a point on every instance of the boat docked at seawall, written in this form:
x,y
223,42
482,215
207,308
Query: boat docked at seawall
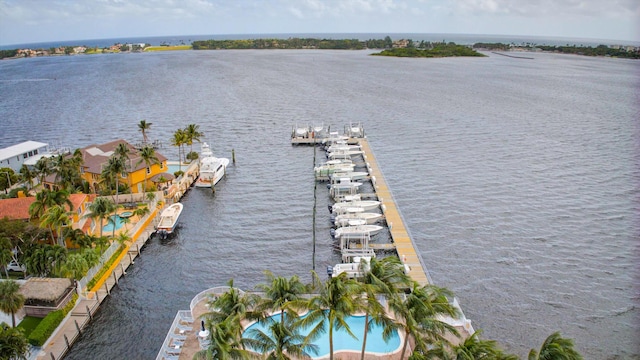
x,y
212,168
169,219
356,230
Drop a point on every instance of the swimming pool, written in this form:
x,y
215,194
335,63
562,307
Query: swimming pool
x,y
109,226
343,341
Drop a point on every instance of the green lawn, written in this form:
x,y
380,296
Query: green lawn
x,y
28,324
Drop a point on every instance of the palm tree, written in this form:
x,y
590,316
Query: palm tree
x,y
100,208
282,342
148,156
281,294
56,257
417,314
13,343
224,343
555,347
113,169
27,176
123,152
55,217
144,126
46,199
43,169
179,139
122,238
77,237
232,304
75,267
474,348
193,134
5,255
10,299
337,299
384,277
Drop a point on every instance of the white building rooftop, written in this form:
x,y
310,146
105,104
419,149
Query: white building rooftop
x,y
20,149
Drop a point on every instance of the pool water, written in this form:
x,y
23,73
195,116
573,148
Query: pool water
x,y
342,340
109,226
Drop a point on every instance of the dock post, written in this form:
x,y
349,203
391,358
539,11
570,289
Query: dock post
x,y
89,312
213,189
233,156
66,340
52,357
122,268
115,277
77,327
107,288
130,259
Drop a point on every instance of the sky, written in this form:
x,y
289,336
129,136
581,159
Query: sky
x,y
31,21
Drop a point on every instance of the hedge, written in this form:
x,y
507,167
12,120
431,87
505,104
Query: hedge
x,y
50,322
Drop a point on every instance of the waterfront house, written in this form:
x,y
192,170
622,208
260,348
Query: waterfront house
x,y
14,156
96,157
18,209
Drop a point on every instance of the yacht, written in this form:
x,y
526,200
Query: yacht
x,y
212,168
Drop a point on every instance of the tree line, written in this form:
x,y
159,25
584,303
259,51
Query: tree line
x,y
435,50
600,50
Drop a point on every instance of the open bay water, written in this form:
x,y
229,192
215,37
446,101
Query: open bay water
x,y
518,179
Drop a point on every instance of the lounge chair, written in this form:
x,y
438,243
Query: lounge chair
x,y
177,343
178,337
184,328
172,350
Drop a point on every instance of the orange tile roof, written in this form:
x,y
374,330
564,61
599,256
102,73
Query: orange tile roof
x,y
18,208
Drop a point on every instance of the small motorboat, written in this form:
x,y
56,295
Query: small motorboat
x,y
169,219
356,230
365,204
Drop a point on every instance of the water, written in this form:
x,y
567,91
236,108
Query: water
x,y
518,179
115,221
341,338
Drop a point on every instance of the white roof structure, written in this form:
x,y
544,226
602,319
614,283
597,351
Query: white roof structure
x,y
20,149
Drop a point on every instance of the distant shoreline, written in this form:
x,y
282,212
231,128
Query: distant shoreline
x,y
395,48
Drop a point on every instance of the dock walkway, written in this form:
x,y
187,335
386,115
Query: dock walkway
x,y
400,236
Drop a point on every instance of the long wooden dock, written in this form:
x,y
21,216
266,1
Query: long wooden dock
x,y
400,236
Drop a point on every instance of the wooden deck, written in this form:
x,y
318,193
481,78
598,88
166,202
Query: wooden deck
x,y
400,236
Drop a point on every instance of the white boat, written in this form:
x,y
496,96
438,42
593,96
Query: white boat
x,y
343,154
356,230
212,169
332,166
169,219
343,147
365,204
348,218
352,175
356,269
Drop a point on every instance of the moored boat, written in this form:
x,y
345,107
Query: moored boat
x,y
356,230
169,219
365,204
212,168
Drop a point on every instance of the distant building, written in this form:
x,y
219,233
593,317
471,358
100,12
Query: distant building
x,y
14,156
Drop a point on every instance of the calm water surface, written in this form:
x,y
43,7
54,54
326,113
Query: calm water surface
x,y
518,179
